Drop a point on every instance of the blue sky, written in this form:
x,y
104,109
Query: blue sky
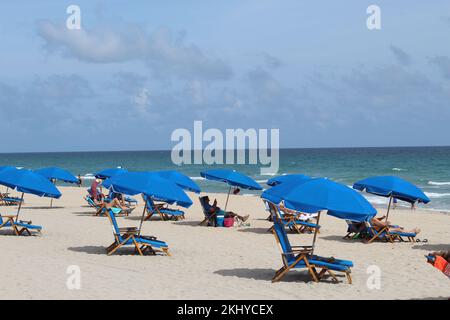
x,y
138,70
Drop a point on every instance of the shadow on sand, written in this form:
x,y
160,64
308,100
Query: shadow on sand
x,y
89,249
431,247
43,207
338,238
267,275
189,223
256,230
101,250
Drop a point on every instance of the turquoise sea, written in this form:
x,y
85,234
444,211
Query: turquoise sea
x,y
427,167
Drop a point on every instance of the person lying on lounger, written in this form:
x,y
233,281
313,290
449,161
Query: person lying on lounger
x,y
294,213
215,209
378,225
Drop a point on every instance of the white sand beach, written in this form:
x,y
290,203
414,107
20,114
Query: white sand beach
x,y
206,262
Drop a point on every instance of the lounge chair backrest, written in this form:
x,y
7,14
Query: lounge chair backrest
x,y
203,204
283,241
115,226
274,212
149,202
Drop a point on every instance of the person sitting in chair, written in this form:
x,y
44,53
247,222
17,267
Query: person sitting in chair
x,y
218,211
99,199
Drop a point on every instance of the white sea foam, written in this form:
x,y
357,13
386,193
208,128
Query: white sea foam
x,y
437,195
434,183
377,200
398,169
197,178
88,176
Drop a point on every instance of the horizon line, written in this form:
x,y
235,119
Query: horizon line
x,y
246,149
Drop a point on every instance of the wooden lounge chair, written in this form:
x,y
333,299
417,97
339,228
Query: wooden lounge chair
x,y
161,210
384,234
300,257
290,221
7,200
352,230
19,227
131,237
210,218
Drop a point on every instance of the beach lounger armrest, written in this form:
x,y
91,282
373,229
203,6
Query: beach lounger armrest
x,y
309,247
129,230
8,216
297,251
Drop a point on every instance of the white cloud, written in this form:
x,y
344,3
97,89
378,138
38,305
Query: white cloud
x,y
164,53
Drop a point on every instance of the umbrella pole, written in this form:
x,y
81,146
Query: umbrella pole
x,y
389,207
20,206
142,218
315,233
228,196
51,199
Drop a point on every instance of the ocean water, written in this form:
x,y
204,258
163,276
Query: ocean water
x,y
427,167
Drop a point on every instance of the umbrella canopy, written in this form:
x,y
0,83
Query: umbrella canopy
x,y
6,167
287,178
111,172
27,181
391,186
232,178
322,194
150,184
55,173
180,179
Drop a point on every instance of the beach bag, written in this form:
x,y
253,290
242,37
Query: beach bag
x,y
228,222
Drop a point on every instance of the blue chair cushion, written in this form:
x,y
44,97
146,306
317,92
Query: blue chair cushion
x,y
320,263
153,243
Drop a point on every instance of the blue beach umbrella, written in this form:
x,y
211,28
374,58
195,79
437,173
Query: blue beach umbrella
x,y
27,181
150,184
320,194
6,168
287,178
111,172
392,187
55,173
180,179
231,177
